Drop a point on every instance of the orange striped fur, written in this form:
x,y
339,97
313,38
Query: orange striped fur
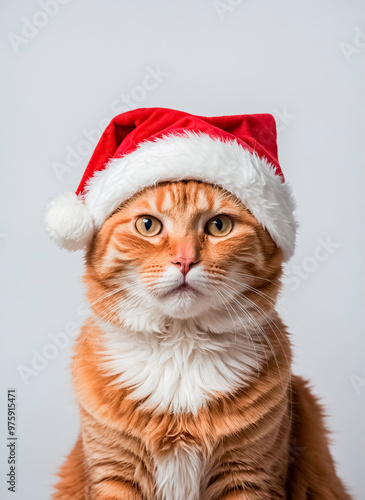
x,y
250,433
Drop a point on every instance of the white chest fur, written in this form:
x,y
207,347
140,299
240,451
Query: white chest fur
x,y
178,476
182,368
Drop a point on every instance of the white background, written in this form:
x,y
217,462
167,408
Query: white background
x,y
302,61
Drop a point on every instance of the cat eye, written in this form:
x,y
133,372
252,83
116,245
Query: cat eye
x,y
148,225
219,226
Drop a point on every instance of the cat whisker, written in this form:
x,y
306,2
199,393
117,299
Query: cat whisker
x,y
246,331
254,290
276,283
253,304
107,317
225,301
266,318
258,326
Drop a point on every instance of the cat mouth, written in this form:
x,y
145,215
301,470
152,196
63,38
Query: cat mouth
x,y
184,288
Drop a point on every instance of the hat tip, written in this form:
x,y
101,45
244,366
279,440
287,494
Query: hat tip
x,y
69,222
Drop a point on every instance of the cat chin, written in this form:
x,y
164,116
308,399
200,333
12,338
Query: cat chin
x,y
184,305
153,319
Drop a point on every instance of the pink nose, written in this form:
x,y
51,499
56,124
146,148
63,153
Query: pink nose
x,y
184,264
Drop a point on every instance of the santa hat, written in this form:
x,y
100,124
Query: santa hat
x,y
146,146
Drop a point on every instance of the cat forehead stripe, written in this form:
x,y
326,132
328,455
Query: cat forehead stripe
x,y
242,161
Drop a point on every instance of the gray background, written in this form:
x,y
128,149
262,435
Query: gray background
x,y
302,61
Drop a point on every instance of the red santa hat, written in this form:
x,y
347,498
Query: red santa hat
x,y
146,146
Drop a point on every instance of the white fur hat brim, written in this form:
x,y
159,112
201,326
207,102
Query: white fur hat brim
x,y
72,221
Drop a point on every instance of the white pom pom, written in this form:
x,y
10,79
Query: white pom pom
x,y
68,222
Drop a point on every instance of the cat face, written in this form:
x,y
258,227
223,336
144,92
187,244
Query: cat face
x,y
180,250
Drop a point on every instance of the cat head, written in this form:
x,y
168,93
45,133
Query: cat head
x,y
182,250
205,243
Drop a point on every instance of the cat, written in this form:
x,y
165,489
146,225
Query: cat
x,y
183,371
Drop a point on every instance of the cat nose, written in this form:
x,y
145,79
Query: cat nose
x,y
184,264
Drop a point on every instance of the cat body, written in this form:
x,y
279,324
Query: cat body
x,y
183,371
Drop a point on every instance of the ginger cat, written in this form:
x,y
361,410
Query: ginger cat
x,y
183,371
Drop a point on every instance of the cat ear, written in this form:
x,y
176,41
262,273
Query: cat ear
x,y
69,222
